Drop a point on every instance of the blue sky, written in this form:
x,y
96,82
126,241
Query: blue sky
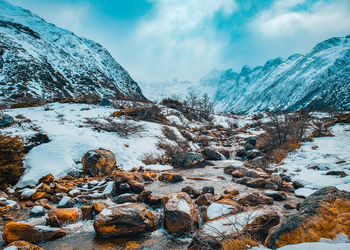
x,y
157,40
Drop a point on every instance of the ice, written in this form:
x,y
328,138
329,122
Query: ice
x,y
216,210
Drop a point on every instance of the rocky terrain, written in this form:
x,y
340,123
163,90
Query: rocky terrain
x,y
41,61
112,192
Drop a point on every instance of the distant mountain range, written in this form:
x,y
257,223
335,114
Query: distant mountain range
x,y
319,79
38,59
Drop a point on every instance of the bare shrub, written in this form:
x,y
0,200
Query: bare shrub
x,y
122,128
152,158
169,133
283,134
152,114
11,160
322,128
174,153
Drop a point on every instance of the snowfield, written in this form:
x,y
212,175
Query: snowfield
x,y
328,154
71,138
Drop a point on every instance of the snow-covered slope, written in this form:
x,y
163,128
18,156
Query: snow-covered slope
x,y
39,59
320,78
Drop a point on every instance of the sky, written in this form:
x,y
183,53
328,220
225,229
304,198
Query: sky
x,y
159,40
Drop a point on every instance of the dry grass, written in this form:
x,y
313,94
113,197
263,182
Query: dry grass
x,y
152,114
243,243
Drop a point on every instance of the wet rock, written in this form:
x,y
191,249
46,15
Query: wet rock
x,y
23,245
255,199
287,186
229,169
323,214
40,195
5,120
124,188
208,189
290,205
256,183
297,184
66,202
37,211
254,153
338,173
147,197
231,191
99,162
276,179
271,186
123,198
61,216
125,220
212,154
237,174
191,191
205,199
14,231
194,160
241,153
47,179
260,227
136,187
276,196
180,214
248,147
259,162
169,177
251,141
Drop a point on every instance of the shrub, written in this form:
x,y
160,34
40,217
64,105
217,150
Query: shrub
x,y
152,114
150,158
169,133
172,103
122,128
343,118
11,160
174,153
88,98
322,128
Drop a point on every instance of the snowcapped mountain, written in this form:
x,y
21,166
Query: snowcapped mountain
x,y
39,59
320,78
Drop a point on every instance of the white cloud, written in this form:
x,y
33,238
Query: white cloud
x,y
179,39
322,18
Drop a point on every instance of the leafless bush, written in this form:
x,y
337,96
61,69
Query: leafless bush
x,y
169,133
174,153
322,128
123,128
152,158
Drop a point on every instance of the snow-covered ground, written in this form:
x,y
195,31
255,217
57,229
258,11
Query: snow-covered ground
x,y
71,138
328,154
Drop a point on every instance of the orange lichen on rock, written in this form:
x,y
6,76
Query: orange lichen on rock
x,y
329,221
324,214
243,243
61,216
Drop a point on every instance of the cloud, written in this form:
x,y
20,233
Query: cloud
x,y
179,39
321,18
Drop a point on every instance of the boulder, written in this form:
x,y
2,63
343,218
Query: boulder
x,y
47,179
205,199
169,177
194,160
255,199
229,169
123,198
208,189
338,173
147,197
180,214
276,179
37,211
5,120
290,205
14,231
212,154
62,216
99,162
323,214
130,219
256,183
23,245
220,209
191,191
66,202
277,196
252,154
260,227
251,141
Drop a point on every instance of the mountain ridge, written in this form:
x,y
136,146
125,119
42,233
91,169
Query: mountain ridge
x,y
39,59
